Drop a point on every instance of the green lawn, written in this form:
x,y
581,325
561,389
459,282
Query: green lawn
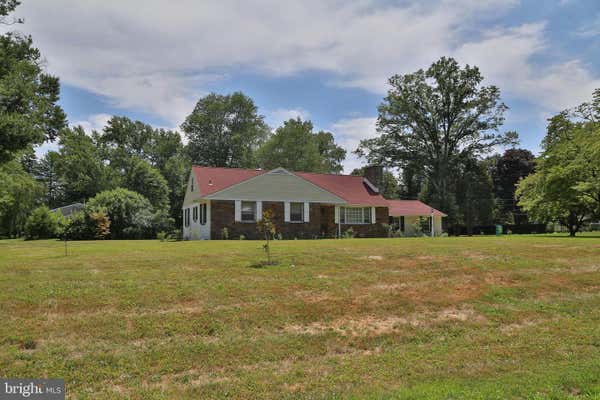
x,y
445,318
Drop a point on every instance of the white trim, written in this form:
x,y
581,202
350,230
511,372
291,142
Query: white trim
x,y
342,208
336,218
306,211
286,211
258,210
370,185
238,211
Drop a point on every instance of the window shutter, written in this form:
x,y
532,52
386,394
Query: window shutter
x,y
286,211
258,210
306,212
238,210
337,215
373,216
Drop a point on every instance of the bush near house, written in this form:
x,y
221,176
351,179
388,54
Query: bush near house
x,y
44,224
88,225
131,215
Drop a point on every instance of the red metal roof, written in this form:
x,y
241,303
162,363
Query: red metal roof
x,y
350,188
411,207
214,179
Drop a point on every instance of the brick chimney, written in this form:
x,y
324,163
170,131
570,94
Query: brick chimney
x,y
374,174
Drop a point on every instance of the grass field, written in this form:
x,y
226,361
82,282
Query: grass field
x,y
445,318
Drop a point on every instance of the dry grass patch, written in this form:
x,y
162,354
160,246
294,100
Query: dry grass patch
x,y
369,325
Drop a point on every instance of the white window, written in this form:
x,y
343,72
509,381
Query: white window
x,y
186,217
248,211
202,214
355,215
195,214
296,212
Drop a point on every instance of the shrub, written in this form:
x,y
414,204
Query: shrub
x,y
176,234
242,237
162,236
44,224
225,233
88,225
131,214
349,233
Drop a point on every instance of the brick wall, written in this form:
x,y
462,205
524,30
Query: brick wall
x,y
321,222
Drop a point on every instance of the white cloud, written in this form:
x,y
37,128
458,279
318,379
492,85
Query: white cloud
x,y
504,58
590,30
276,118
348,133
159,56
94,122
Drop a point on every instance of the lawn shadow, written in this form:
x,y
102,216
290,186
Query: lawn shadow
x,y
263,264
566,236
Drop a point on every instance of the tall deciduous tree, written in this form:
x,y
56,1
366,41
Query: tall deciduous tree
x,y
81,167
19,195
29,113
296,147
434,120
566,184
331,154
551,194
125,142
224,131
47,172
147,181
506,171
475,194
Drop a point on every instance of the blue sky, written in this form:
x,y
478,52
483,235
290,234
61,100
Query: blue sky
x,y
327,61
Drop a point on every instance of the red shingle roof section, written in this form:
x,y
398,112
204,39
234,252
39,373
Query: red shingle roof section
x,y
411,207
213,179
348,187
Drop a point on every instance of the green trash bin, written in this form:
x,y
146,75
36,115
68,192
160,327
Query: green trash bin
x,y
498,230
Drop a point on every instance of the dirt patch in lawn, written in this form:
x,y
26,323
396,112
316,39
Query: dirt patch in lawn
x,y
369,325
473,255
310,296
389,286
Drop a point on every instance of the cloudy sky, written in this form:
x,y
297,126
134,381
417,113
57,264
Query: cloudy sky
x,y
324,60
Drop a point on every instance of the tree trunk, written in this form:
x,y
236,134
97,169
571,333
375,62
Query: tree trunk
x,y
572,224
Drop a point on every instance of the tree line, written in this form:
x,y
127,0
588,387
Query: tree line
x,y
438,133
130,175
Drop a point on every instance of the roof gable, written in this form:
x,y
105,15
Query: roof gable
x,y
276,185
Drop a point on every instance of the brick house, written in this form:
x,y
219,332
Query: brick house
x,y
305,205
